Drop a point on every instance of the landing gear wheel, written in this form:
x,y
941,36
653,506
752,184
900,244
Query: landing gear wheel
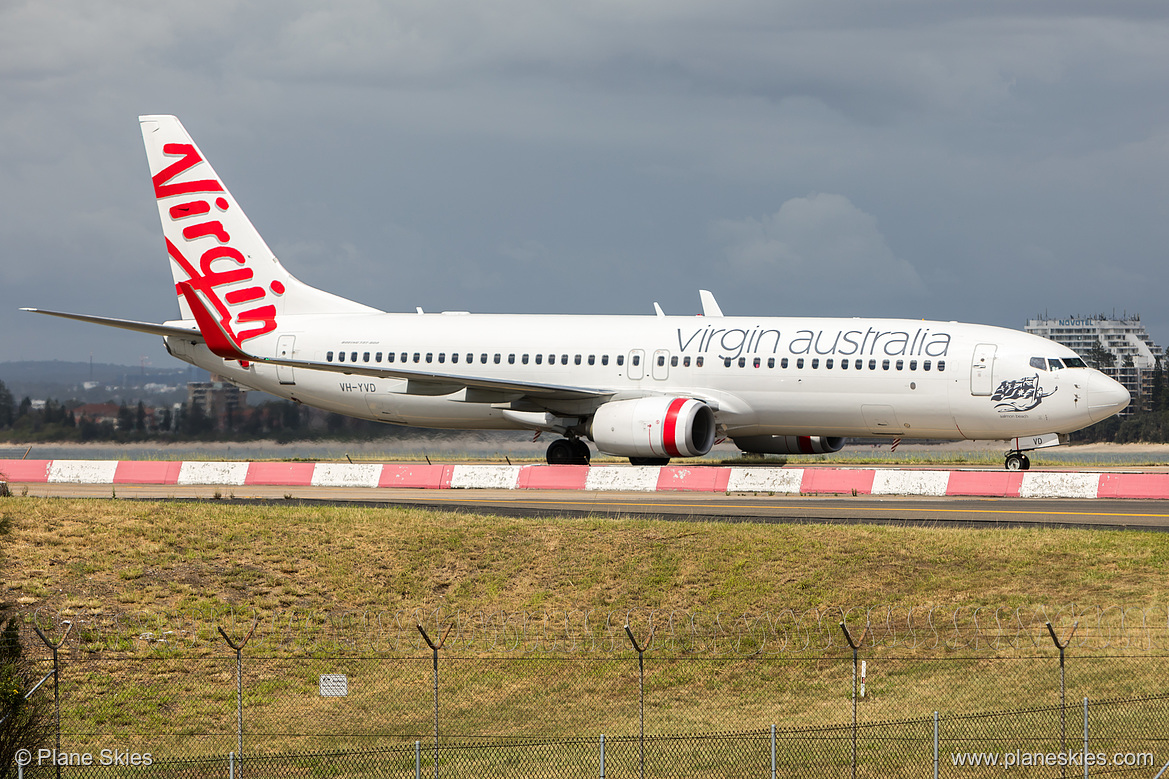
x,y
649,460
1017,461
559,452
564,451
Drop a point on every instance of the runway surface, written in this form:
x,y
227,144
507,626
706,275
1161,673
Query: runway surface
x,y
709,507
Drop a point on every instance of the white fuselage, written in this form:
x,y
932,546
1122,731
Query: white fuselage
x,y
761,375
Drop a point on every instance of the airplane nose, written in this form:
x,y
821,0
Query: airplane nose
x,y
1105,397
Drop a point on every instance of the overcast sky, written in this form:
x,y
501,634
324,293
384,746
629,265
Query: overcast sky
x,y
982,161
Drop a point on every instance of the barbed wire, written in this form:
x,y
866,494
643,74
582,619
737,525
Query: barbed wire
x,y
811,632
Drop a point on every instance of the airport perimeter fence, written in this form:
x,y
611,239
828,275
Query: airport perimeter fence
x,y
564,702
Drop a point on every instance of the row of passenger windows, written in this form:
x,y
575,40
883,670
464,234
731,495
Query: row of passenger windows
x,y
592,359
844,365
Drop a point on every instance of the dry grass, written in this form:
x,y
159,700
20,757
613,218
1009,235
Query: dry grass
x,y
183,557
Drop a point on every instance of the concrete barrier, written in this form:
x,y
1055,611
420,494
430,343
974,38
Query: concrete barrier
x,y
669,478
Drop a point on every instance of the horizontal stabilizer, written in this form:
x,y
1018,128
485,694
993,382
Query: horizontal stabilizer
x,y
126,324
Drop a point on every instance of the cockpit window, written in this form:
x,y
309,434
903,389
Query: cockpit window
x,y
1074,362
1054,364
1039,362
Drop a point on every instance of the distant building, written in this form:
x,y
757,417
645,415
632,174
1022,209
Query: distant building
x,y
1118,347
220,400
98,413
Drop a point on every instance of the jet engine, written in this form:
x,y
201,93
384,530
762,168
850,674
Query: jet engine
x,y
654,427
789,444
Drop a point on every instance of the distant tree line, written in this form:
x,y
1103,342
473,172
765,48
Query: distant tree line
x,y
281,420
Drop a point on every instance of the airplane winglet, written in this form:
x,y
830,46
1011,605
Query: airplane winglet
x,y
710,306
219,340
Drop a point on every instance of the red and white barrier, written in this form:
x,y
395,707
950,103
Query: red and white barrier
x,y
623,478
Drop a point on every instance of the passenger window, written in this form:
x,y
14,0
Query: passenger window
x,y
697,361
872,365
756,362
604,359
900,365
1039,362
353,357
539,359
524,359
800,363
470,358
925,366
844,365
685,362
770,362
483,358
941,365
511,359
592,359
564,359
637,359
365,357
417,357
576,360
783,363
726,362
328,356
815,362
859,364
442,356
497,358
884,365
913,365
742,362
661,360
620,359
828,363
430,356
340,356
454,357
389,356
377,357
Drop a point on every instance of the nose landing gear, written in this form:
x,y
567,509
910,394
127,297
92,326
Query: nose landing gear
x,y
568,451
1017,461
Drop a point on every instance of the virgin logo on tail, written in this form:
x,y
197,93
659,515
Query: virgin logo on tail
x,y
221,265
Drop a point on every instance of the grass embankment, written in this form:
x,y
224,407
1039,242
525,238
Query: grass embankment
x,y
185,557
176,559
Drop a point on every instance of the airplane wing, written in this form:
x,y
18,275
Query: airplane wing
x,y
222,343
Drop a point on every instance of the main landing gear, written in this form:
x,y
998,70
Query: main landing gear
x,y
1017,461
568,451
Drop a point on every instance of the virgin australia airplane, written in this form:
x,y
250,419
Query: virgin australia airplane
x,y
644,387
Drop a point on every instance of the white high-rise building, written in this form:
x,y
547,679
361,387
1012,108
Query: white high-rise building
x,y
1119,347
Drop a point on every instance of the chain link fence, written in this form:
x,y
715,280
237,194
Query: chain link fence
x,y
544,698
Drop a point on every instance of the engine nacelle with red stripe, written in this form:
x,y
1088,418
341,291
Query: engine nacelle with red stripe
x,y
654,427
789,444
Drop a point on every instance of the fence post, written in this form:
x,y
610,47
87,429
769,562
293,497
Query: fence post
x,y
935,745
56,683
641,691
1063,716
239,685
602,756
855,673
417,760
434,649
773,751
1086,740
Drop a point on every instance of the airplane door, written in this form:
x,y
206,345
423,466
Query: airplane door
x,y
284,351
636,368
661,365
982,370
